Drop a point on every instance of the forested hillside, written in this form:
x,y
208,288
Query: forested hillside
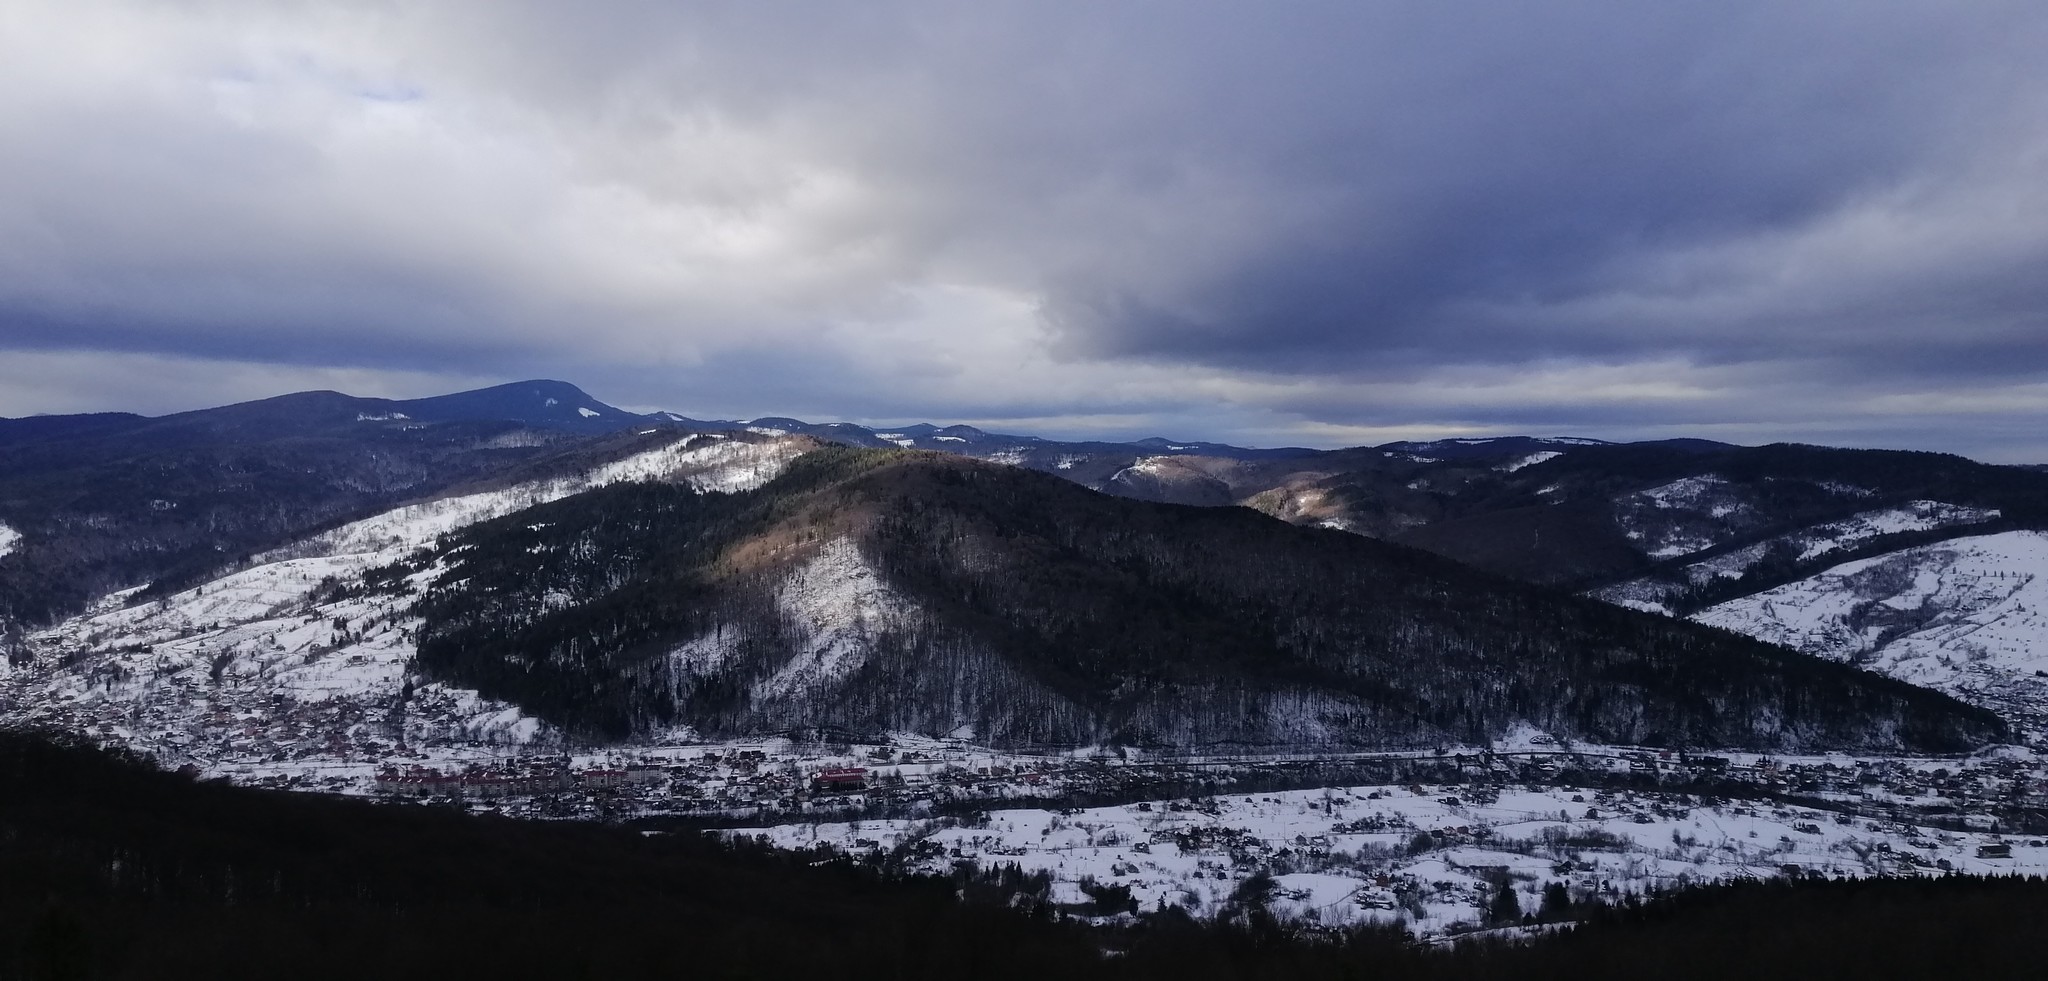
x,y
881,590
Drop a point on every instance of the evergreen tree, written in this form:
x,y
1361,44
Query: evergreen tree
x,y
1506,909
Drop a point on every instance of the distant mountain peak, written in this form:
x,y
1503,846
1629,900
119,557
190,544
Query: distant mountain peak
x,y
536,402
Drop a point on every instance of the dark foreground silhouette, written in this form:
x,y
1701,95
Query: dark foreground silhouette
x,y
111,869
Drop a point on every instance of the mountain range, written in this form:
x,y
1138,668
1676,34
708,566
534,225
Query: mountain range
x,y
525,559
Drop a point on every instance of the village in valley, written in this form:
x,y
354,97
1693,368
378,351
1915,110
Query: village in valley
x,y
1428,839
1431,839
1430,843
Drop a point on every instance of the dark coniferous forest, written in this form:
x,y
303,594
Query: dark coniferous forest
x,y
1038,612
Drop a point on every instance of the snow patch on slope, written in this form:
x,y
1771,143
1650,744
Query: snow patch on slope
x,y
1014,458
717,466
1682,517
276,634
1837,536
1969,617
703,655
9,538
838,604
1654,592
1914,516
1529,461
1691,493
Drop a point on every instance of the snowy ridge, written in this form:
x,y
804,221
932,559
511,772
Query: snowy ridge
x,y
1914,516
1160,468
837,603
294,659
1151,466
1836,536
1014,458
1807,544
717,466
1968,616
726,466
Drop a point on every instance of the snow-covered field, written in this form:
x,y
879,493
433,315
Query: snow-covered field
x,y
1967,616
1429,857
271,660
1806,544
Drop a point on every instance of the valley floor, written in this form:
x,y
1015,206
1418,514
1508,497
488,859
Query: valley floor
x,y
1422,840
1428,858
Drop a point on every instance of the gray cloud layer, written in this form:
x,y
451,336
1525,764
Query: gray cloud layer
x,y
1318,223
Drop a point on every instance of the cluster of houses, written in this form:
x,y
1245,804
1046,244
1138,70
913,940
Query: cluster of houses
x,y
714,779
276,737
509,781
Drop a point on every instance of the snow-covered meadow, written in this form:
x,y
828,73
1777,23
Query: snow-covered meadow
x,y
1427,857
1967,616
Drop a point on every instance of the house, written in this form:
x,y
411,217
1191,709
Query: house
x,y
1997,849
844,778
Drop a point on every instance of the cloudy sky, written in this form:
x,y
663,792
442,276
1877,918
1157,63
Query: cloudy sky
x,y
1291,222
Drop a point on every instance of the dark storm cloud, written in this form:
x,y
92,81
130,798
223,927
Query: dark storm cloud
x,y
1320,222
1483,203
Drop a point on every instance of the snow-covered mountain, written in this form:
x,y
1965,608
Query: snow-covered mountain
x,y
307,649
880,592
1801,547
273,550
1967,616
